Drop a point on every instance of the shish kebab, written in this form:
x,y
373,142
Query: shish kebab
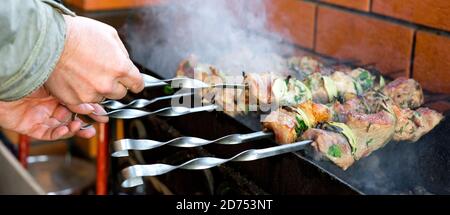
x,y
313,81
345,113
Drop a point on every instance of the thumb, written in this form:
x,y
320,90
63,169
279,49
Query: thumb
x,y
81,108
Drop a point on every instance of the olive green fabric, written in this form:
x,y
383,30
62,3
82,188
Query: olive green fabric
x,y
32,37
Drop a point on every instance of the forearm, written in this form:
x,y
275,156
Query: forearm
x,y
32,37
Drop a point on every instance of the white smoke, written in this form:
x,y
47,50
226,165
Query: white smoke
x,y
226,33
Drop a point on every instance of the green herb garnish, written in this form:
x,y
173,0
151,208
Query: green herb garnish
x,y
369,141
297,99
417,114
363,75
334,151
168,89
300,127
186,65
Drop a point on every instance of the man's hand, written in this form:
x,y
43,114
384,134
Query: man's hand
x,y
41,116
94,65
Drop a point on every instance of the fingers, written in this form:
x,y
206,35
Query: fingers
x,y
75,127
81,108
45,132
98,110
62,114
133,79
56,132
59,133
52,129
118,91
86,133
60,125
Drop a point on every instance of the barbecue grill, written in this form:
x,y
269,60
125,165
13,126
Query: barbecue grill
x,y
421,167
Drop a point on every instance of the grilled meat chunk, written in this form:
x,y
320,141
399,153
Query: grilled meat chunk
x,y
413,124
283,123
225,97
260,87
186,67
304,66
290,122
406,93
371,131
331,145
364,134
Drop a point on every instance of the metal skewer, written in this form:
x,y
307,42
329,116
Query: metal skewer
x,y
133,174
121,147
134,113
184,82
140,103
168,111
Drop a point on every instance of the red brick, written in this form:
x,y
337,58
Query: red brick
x,y
432,62
347,35
91,5
355,4
293,19
434,13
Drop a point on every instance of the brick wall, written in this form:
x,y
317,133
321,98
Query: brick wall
x,y
402,37
97,5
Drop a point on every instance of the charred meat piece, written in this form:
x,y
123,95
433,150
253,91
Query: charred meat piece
x,y
260,87
290,122
225,97
304,66
406,93
283,123
413,124
370,102
371,131
186,67
357,138
331,145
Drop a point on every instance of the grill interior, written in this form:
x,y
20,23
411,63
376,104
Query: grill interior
x,y
398,168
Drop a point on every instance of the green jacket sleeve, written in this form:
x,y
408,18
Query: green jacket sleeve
x,y
32,37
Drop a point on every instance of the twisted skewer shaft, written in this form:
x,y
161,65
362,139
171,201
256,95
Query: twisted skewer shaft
x,y
121,147
133,174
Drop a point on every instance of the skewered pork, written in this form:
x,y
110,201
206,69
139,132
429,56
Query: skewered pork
x,y
225,98
413,124
366,129
332,145
289,123
360,118
405,92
